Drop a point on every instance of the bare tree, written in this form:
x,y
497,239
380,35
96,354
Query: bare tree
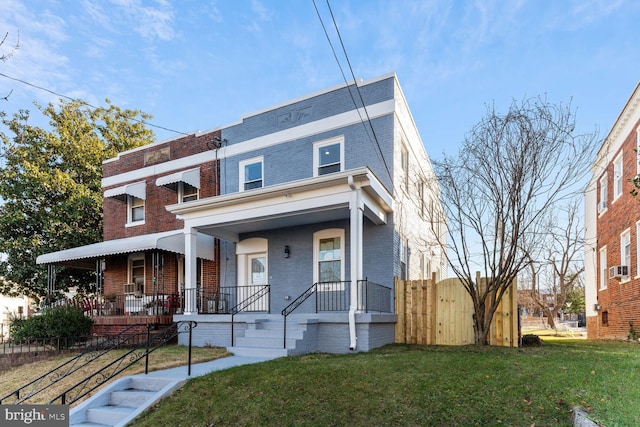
x,y
5,56
512,170
556,268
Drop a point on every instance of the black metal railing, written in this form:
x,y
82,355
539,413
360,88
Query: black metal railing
x,y
374,297
336,296
101,346
258,300
330,296
104,374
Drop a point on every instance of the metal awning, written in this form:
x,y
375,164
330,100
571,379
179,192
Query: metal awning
x,y
191,177
137,189
85,256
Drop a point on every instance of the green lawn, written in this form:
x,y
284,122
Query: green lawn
x,y
418,386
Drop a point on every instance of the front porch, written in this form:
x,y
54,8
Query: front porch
x,y
242,319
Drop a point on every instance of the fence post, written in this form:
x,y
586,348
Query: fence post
x,y
190,335
146,355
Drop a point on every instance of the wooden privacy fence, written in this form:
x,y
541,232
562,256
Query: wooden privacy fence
x,y
442,314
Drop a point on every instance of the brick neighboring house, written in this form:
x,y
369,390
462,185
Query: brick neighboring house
x,y
612,230
229,227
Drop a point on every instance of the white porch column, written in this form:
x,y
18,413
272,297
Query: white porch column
x,y
190,270
356,209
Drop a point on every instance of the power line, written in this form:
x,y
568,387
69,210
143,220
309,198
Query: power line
x,y
355,84
86,103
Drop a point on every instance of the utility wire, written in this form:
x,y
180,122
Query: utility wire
x,y
362,120
86,103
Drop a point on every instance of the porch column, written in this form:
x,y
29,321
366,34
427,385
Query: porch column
x,y
356,208
190,270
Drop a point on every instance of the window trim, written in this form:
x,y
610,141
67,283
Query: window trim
x,y
324,143
137,257
625,259
130,206
241,176
328,233
182,195
603,194
618,177
404,165
604,278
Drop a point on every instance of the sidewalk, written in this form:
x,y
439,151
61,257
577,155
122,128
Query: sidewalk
x,y
199,369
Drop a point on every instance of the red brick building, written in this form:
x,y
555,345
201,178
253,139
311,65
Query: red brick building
x,y
612,236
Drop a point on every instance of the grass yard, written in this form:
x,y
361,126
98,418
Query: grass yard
x,y
418,386
164,357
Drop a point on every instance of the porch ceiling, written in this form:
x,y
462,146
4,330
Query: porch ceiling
x,y
297,203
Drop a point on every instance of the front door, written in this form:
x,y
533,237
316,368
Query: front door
x,y
252,273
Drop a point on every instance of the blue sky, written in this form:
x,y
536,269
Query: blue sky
x,y
198,65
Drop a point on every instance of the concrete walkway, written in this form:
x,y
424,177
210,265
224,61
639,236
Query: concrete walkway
x,y
203,368
124,399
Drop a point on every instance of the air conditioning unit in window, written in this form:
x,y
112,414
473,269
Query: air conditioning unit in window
x,y
618,271
133,289
602,206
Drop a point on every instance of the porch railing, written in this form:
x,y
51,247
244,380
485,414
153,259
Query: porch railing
x,y
225,298
257,300
336,296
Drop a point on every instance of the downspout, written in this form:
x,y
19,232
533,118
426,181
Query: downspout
x,y
356,233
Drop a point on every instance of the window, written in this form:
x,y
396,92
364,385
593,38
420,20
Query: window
x,y
604,274
187,192
136,274
404,259
617,177
135,209
602,203
404,163
625,250
328,256
605,318
421,201
251,174
328,156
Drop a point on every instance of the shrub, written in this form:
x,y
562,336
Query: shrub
x,y
54,322
531,340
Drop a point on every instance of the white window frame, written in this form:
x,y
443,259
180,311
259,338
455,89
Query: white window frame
x,y
637,250
316,153
404,165
182,194
625,252
604,272
241,176
618,172
604,193
131,206
130,261
329,233
638,150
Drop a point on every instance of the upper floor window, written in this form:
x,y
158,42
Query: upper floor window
x,y
135,208
328,156
617,177
404,163
602,199
187,192
251,174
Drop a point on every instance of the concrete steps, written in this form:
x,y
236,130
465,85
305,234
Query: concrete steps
x,y
121,401
264,338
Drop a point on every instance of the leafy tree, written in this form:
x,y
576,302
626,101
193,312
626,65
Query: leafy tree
x,y
512,170
50,184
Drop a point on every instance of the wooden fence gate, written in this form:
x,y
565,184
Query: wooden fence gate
x,y
442,314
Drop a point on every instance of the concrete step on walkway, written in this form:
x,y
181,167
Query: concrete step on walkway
x,y
124,399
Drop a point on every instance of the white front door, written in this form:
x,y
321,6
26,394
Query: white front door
x,y
252,273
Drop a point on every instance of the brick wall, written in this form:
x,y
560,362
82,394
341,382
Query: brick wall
x,y
620,301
